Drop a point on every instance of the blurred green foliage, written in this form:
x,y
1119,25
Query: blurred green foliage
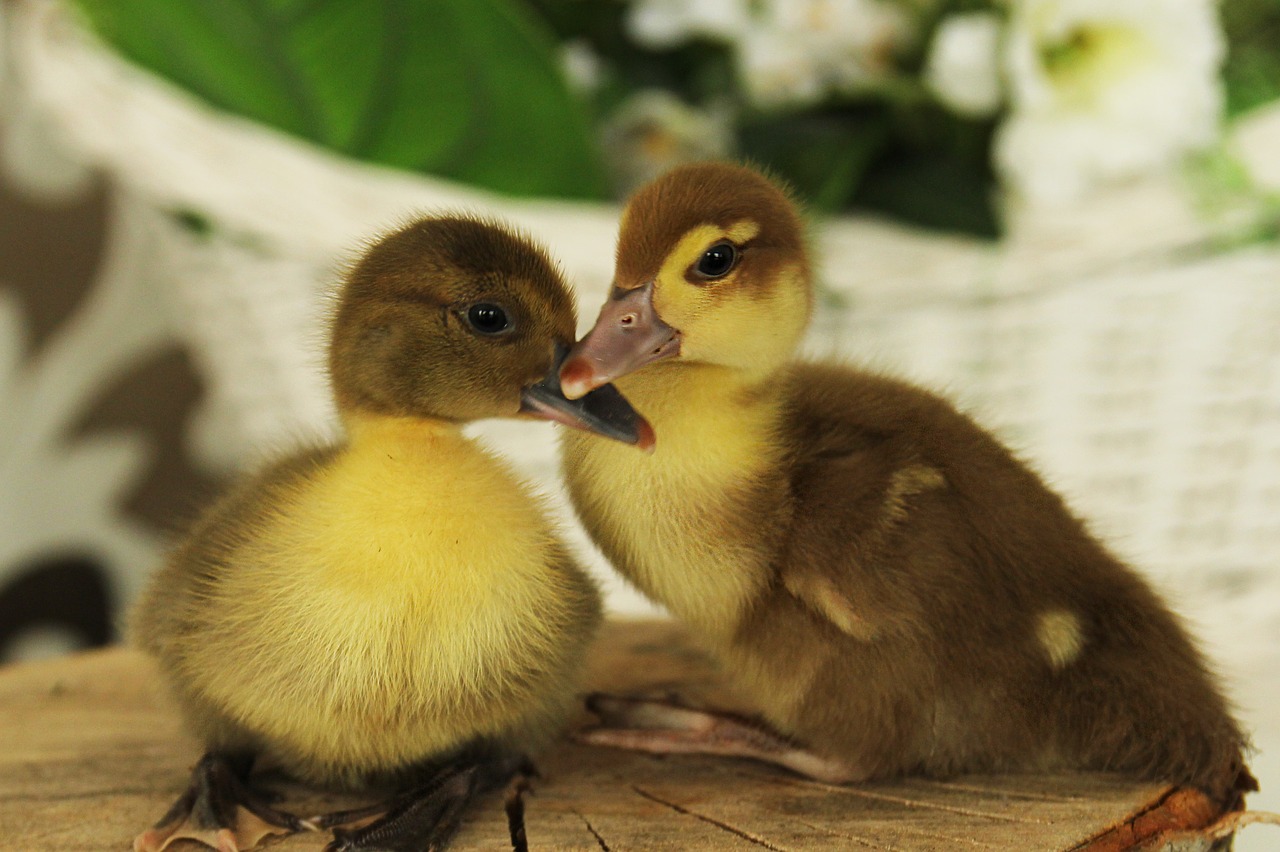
x,y
465,89
893,152
473,90
1252,70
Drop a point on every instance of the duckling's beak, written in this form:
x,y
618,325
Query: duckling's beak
x,y
604,410
627,335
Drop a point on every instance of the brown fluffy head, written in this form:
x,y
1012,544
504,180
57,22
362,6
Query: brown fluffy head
x,y
753,315
414,333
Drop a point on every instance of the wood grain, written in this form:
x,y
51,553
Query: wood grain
x,y
93,753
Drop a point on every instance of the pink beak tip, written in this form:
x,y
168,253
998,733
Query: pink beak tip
x,y
647,438
577,378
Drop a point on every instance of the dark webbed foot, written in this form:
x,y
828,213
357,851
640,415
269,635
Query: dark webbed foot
x,y
219,810
659,726
427,816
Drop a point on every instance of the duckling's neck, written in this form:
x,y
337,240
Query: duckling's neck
x,y
718,419
418,434
674,521
400,465
398,482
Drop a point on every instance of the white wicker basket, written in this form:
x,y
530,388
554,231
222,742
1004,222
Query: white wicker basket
x,y
1143,380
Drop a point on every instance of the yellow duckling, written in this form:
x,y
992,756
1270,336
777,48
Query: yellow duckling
x,y
895,591
397,609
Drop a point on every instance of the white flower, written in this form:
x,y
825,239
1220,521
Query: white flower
x,y
777,69
668,23
653,131
795,52
581,66
1253,141
1106,89
962,67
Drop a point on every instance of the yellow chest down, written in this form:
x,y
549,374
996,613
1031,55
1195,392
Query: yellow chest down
x,y
418,598
670,521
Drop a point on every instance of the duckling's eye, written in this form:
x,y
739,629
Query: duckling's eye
x,y
717,261
488,318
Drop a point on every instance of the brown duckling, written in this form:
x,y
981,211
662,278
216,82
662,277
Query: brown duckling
x,y
893,589
396,610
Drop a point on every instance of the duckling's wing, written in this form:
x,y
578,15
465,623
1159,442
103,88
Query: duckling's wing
x,y
176,596
867,500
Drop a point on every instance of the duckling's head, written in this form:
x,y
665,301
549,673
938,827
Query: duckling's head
x,y
458,318
711,268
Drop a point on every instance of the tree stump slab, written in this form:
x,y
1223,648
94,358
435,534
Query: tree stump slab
x,y
94,752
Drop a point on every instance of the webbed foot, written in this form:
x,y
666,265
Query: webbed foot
x,y
219,810
427,816
666,726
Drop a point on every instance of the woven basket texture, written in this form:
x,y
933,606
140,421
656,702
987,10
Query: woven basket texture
x,y
1133,366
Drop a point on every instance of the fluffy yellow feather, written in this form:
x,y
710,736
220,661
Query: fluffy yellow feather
x,y
365,613
703,454
399,623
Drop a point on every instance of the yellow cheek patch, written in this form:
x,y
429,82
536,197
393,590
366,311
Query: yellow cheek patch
x,y
675,299
751,330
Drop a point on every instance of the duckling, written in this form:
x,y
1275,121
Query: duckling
x,y
894,591
397,610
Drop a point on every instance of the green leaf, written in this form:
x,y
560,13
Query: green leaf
x,y
464,89
824,156
933,190
935,172
1252,77
1252,69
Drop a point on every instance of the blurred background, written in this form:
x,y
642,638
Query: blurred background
x,y
1063,214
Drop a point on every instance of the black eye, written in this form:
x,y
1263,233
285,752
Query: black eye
x,y
488,318
717,261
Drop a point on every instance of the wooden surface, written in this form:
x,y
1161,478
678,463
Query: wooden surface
x,y
93,753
